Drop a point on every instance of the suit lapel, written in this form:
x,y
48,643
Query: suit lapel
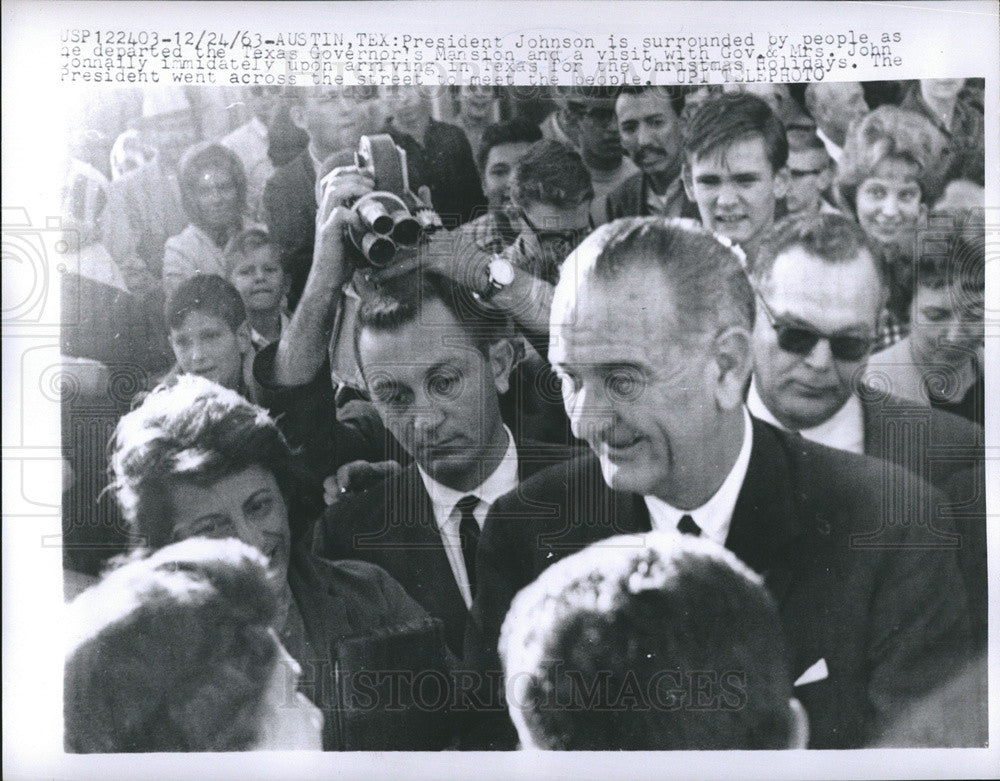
x,y
764,525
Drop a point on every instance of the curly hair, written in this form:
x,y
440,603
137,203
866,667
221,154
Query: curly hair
x,y
195,431
892,133
172,653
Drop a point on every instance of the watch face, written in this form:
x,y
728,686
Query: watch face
x,y
501,271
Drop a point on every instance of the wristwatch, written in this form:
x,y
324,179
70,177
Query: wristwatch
x,y
500,274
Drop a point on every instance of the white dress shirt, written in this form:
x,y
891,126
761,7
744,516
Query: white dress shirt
x,y
448,516
715,515
845,430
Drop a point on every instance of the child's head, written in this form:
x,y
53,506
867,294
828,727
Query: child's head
x,y
890,171
208,329
254,269
810,172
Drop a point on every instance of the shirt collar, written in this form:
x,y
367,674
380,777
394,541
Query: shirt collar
x,y
844,430
835,152
502,481
715,515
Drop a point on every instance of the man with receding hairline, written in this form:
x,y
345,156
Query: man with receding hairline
x,y
651,335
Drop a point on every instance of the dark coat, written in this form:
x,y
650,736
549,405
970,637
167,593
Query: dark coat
x,y
860,579
451,172
629,199
929,442
335,600
392,524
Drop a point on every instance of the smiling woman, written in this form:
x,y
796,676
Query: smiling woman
x,y
198,460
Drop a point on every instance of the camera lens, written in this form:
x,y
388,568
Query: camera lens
x,y
378,249
406,231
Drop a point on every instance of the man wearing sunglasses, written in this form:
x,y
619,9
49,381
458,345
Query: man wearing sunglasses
x,y
820,289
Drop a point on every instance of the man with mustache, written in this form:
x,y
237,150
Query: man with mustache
x,y
651,136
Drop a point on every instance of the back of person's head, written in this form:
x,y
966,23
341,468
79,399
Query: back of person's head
x,y
722,120
551,173
513,131
194,163
890,133
832,238
400,301
191,431
701,273
172,653
654,643
209,294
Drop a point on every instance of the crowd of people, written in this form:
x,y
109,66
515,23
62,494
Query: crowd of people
x,y
666,434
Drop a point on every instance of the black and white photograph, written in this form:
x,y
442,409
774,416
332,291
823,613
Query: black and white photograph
x,y
453,389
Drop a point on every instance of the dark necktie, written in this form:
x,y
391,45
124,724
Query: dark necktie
x,y
686,525
468,532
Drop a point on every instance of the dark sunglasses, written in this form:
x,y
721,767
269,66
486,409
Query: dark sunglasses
x,y
801,340
570,236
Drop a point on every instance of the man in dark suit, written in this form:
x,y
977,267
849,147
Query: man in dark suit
x,y
651,324
821,290
434,363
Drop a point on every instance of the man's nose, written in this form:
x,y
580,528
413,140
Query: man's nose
x,y
427,419
820,357
727,194
890,205
646,137
590,411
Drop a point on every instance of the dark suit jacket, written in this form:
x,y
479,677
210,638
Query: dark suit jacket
x,y
860,579
929,442
392,524
335,600
629,199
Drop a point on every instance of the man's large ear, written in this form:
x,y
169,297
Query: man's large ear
x,y
688,181
798,736
731,366
501,360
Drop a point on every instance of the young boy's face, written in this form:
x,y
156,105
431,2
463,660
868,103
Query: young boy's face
x,y
888,202
260,279
735,189
205,345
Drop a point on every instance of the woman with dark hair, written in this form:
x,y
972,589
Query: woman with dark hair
x,y
213,189
175,652
199,460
